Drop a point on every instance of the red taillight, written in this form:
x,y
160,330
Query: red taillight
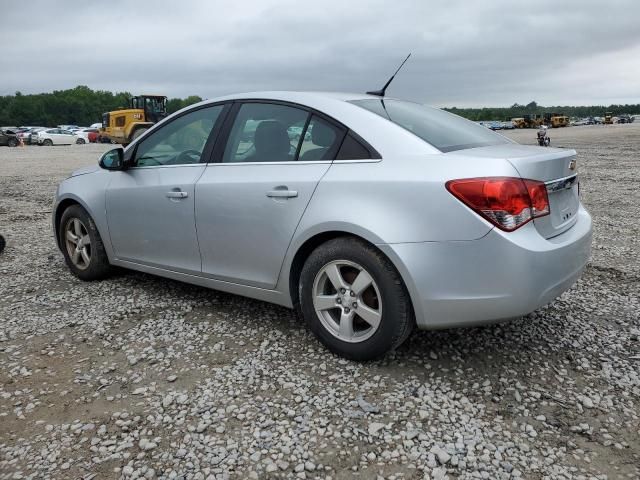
x,y
507,202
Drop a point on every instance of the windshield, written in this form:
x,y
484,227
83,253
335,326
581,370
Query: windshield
x,y
443,130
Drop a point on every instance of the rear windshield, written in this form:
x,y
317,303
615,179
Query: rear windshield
x,y
445,131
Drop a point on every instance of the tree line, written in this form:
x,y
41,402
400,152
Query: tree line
x,y
84,106
516,110
76,106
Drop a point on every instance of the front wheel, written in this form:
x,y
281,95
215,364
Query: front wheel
x,y
80,141
137,133
82,245
47,143
13,142
353,299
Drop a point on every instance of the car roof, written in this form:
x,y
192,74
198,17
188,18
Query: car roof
x,y
386,137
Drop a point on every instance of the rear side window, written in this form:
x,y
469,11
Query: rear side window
x,y
443,130
265,132
321,140
353,149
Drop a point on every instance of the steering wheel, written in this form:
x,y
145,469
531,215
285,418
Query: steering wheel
x,y
188,156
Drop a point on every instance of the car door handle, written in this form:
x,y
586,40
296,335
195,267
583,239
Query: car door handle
x,y
177,194
282,193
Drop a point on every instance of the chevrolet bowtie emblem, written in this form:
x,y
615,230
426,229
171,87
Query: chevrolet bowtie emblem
x,y
572,165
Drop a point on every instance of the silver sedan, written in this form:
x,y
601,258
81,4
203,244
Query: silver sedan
x,y
382,216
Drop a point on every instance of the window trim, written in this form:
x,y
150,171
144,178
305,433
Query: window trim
x,y
225,131
208,146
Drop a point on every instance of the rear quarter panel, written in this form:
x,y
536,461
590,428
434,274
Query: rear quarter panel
x,y
395,200
401,199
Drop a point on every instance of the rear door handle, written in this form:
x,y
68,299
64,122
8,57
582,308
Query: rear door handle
x,y
177,194
282,193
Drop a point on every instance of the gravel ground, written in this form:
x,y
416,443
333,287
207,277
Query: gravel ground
x,y
141,377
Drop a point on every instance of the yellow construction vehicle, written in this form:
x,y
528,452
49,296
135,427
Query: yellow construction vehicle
x,y
529,120
518,122
124,126
608,118
556,120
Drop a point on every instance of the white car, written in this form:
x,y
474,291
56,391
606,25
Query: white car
x,y
56,136
83,135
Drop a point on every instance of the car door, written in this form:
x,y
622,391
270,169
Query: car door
x,y
250,199
150,206
66,137
53,135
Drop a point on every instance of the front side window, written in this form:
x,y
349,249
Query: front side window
x,y
265,132
445,131
180,142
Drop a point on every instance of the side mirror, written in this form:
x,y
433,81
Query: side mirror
x,y
113,160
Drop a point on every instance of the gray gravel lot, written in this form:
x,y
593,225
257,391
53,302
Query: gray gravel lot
x,y
142,377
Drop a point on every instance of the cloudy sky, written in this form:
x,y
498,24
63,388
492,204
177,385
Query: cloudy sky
x,y
485,53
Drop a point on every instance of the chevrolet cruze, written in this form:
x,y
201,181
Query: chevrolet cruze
x,y
382,215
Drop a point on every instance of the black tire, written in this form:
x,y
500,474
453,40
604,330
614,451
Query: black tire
x,y
47,143
3,243
137,133
80,141
397,320
13,142
98,267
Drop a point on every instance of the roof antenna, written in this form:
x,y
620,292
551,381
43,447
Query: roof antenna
x,y
380,93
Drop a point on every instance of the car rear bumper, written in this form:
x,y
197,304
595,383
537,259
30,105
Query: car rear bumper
x,y
497,277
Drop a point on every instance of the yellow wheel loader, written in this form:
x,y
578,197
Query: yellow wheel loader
x,y
124,126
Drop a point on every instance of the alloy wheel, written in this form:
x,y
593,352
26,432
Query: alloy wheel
x,y
347,301
78,243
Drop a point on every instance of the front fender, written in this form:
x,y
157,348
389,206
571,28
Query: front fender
x,y
89,192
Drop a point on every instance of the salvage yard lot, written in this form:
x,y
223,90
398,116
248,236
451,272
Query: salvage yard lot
x,y
139,376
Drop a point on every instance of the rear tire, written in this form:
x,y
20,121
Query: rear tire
x,y
82,245
387,315
13,142
47,143
80,141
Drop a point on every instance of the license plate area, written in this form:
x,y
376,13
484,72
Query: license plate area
x,y
564,203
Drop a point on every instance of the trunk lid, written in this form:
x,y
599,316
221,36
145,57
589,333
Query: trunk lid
x,y
554,166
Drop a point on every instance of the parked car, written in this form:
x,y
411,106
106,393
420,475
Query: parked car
x,y
68,127
86,135
55,136
26,132
508,125
9,137
33,135
397,214
96,125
